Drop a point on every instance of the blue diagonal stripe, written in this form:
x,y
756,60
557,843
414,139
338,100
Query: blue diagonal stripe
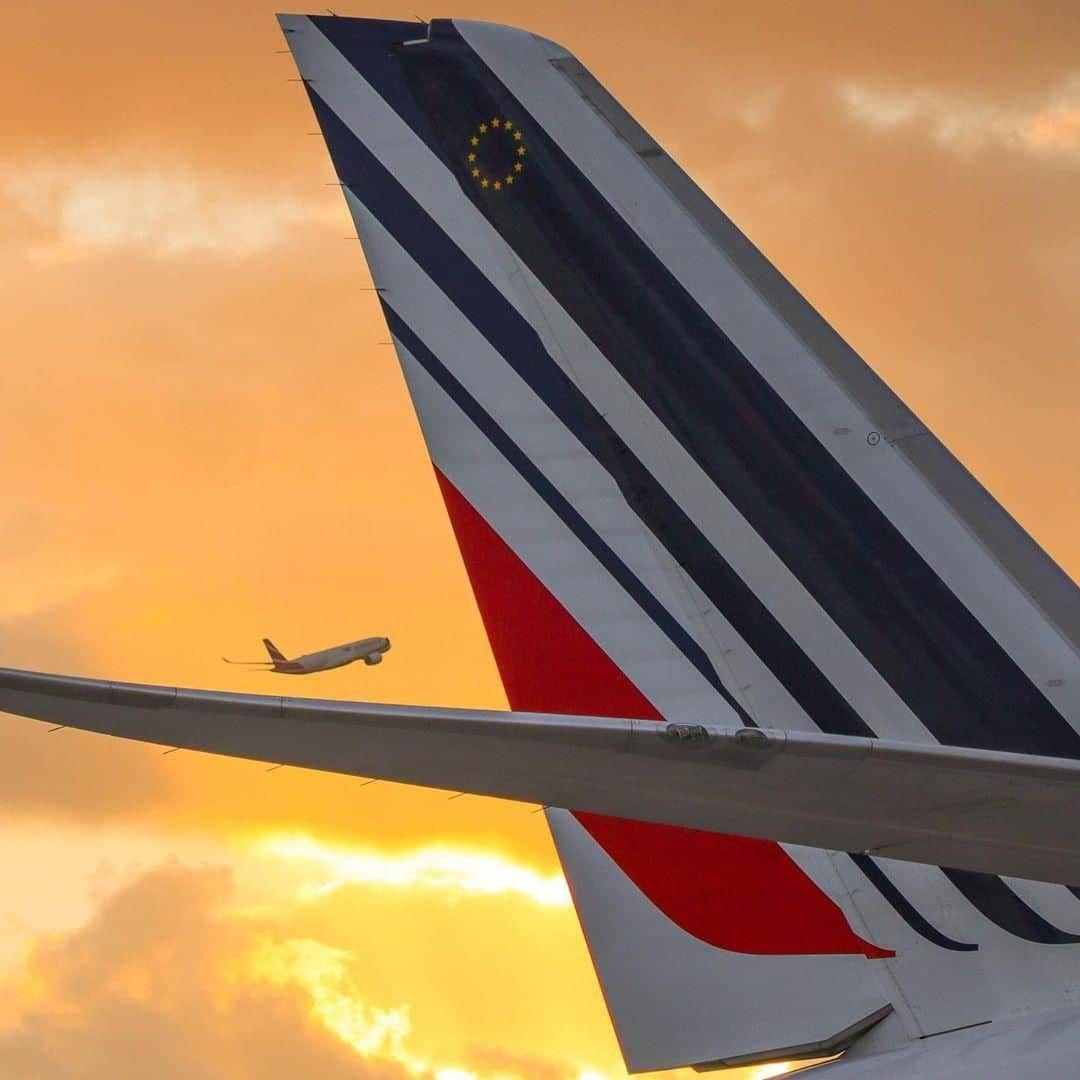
x,y
557,502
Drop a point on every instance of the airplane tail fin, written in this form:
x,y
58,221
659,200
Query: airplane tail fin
x,y
275,653
680,495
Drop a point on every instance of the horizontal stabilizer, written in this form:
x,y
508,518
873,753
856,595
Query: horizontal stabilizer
x,y
970,809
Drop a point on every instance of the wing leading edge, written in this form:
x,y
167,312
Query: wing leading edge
x,y
970,809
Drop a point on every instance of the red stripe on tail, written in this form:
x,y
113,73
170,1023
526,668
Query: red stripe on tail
x,y
546,661
735,893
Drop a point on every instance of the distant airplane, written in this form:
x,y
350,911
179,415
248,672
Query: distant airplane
x,y
370,650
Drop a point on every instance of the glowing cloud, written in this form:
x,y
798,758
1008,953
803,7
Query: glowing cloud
x,y
375,1034
165,212
433,867
1051,126
322,971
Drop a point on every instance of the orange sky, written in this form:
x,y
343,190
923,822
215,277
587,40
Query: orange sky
x,y
204,442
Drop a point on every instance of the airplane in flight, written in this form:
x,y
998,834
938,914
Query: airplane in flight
x,y
800,699
370,650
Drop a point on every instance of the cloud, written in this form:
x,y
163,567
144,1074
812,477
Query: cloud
x,y
133,992
176,972
1057,125
497,1060
77,211
384,1034
1049,127
168,975
335,999
430,867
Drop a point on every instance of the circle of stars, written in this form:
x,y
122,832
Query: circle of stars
x,y
513,140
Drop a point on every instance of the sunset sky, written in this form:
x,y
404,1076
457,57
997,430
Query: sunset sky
x,y
205,440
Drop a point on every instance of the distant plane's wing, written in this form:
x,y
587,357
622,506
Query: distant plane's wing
x,y
971,809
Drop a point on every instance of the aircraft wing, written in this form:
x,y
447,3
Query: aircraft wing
x,y
978,810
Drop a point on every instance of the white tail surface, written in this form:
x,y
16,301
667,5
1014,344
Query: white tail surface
x,y
680,495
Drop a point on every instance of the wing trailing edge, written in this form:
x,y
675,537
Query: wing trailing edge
x,y
973,810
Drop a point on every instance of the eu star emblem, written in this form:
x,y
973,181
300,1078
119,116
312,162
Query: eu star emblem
x,y
494,154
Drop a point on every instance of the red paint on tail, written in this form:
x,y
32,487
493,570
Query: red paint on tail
x,y
735,893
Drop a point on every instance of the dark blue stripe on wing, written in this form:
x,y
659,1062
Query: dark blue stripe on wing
x,y
514,338
900,904
607,558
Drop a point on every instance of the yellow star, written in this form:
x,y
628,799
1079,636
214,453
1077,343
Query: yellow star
x,y
483,129
472,157
497,186
474,141
495,122
509,179
521,151
518,166
484,182
476,172
507,125
517,134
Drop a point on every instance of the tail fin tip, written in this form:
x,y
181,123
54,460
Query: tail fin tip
x,y
273,650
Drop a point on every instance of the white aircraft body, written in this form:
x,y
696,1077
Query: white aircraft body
x,y
801,699
370,650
